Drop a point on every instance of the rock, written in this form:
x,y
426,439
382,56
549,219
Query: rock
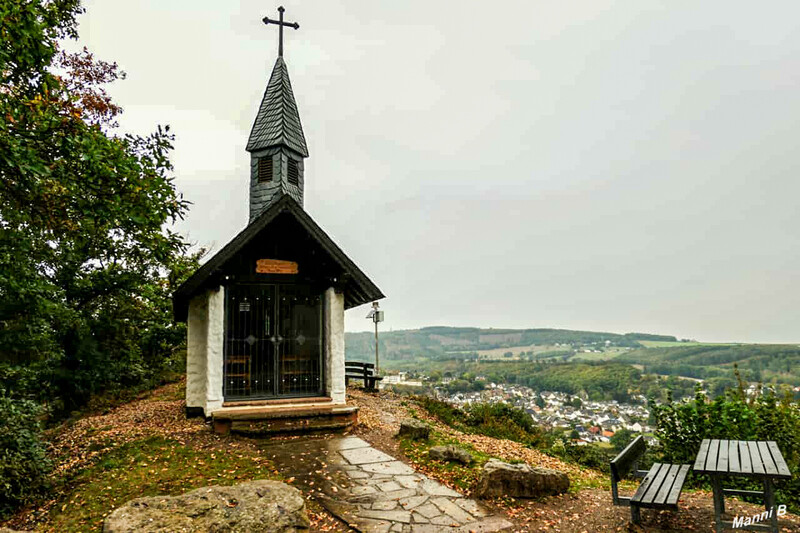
x,y
450,453
519,481
248,507
8,530
414,429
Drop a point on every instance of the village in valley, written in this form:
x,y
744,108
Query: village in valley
x,y
593,421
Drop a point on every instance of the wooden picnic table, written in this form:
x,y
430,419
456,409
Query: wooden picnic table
x,y
755,459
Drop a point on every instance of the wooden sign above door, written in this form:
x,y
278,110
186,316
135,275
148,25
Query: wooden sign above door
x,y
275,266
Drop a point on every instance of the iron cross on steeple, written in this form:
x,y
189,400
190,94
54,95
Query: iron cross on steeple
x,y
281,24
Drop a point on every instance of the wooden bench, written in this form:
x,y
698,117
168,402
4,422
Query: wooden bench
x,y
362,371
661,485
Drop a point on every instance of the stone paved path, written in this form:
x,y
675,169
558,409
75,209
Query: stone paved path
x,y
374,492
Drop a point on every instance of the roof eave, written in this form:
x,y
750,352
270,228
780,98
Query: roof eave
x,y
369,291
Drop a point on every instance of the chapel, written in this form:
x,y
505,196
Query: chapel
x,y
265,314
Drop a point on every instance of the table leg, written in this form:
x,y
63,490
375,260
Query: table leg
x,y
636,515
769,503
719,504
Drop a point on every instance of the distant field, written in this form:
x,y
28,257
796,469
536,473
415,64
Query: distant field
x,y
672,344
499,353
607,355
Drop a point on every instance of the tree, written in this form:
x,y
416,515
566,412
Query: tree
x,y
87,259
621,438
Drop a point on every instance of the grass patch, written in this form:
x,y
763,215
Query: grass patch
x,y
147,467
463,477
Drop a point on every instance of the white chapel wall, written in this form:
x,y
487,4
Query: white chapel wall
x,y
334,345
214,361
197,332
205,325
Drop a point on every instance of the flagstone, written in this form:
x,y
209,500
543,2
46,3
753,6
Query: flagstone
x,y
453,510
437,489
389,467
384,505
376,493
392,516
409,482
389,486
413,501
428,510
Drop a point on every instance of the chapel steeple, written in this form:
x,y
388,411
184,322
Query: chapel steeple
x,y
277,145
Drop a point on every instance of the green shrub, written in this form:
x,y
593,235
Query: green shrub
x,y
590,456
23,461
452,416
497,420
502,421
681,427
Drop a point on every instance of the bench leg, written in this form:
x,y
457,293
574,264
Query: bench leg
x,y
769,503
636,515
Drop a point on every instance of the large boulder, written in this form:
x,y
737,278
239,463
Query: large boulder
x,y
500,479
450,453
414,429
255,506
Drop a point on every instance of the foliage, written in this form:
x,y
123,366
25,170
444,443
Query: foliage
x,y
464,385
441,342
681,426
621,438
23,462
497,420
589,455
597,381
87,261
767,363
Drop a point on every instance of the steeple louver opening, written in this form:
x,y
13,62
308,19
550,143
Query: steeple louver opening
x,y
293,172
264,169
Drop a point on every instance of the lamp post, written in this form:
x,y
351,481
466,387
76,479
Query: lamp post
x,y
377,316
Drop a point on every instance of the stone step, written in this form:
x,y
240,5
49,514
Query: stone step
x,y
280,426
269,421
281,401
269,413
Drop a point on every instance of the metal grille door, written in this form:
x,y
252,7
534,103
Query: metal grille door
x,y
300,327
273,342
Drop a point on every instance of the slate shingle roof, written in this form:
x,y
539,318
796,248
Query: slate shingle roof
x,y
278,122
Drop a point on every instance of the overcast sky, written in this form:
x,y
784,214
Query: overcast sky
x,y
618,166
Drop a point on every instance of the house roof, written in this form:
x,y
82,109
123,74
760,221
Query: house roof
x,y
277,122
358,288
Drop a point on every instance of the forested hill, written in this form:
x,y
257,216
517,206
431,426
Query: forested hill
x,y
766,363
439,341
421,349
